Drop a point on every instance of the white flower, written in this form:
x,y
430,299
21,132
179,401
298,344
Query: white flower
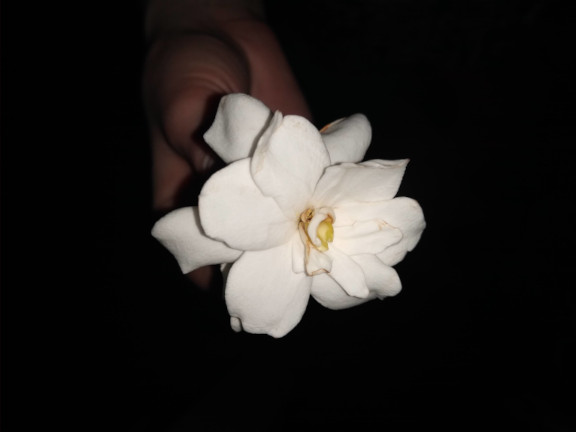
x,y
297,214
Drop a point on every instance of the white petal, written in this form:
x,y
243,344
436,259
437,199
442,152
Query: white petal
x,y
347,139
347,273
264,294
395,211
380,278
405,214
180,232
402,213
372,237
369,181
318,262
320,215
233,210
298,255
239,123
328,293
288,161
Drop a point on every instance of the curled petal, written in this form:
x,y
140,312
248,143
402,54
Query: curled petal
x,y
317,262
288,161
369,181
405,214
180,232
320,215
402,213
239,122
381,279
264,295
366,237
234,211
327,292
347,274
347,139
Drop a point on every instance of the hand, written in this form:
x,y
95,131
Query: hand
x,y
198,52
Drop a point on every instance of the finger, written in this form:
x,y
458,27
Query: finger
x,y
171,174
185,77
271,78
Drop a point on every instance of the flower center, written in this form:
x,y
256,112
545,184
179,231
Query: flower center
x,y
316,227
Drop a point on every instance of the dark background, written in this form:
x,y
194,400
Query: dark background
x,y
101,332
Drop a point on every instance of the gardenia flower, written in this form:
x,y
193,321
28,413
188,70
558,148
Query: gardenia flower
x,y
294,214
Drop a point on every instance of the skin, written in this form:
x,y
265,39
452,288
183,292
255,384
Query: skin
x,y
198,51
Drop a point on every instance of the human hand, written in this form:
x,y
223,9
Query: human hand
x,y
198,52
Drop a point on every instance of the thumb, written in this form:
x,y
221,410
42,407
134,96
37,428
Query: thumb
x,y
183,81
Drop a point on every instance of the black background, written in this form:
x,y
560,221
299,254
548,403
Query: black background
x,y
101,332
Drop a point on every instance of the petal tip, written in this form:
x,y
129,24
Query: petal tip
x,y
362,292
236,324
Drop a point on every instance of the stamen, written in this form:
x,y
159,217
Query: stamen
x,y
314,230
325,233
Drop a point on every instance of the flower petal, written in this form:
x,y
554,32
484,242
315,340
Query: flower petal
x,y
405,214
347,139
288,161
233,210
317,262
369,181
328,293
264,295
298,255
239,122
380,278
180,232
347,273
402,213
366,237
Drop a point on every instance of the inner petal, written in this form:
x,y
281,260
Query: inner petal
x,y
316,231
320,227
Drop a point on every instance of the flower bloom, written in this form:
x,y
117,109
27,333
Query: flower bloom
x,y
294,214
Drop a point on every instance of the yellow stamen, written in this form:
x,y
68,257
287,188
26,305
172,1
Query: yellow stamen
x,y
325,234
